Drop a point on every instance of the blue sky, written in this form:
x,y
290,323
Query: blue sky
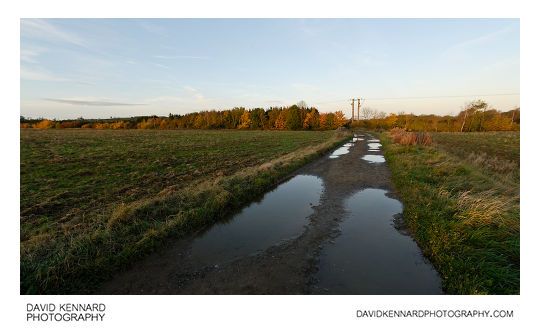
x,y
126,67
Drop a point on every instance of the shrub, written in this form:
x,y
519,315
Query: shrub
x,y
403,137
423,138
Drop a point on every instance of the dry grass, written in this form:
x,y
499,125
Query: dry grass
x,y
401,136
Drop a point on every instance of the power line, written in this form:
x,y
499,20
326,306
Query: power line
x,y
434,97
425,97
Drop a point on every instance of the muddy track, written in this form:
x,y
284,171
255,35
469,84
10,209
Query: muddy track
x,y
289,267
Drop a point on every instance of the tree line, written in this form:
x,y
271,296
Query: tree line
x,y
277,118
475,116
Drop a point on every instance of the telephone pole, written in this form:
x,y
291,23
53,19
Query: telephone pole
x,y
352,115
360,102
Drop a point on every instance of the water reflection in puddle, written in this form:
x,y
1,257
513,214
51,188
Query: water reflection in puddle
x,y
370,256
280,215
374,158
341,150
374,145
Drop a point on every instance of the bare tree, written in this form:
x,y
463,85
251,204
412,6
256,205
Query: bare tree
x,y
302,104
368,113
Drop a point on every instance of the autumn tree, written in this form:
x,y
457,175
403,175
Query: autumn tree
x,y
340,118
45,124
311,122
245,121
280,122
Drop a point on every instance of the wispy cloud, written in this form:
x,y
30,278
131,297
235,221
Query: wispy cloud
x,y
475,42
42,29
29,55
194,92
181,57
40,74
90,102
153,28
161,65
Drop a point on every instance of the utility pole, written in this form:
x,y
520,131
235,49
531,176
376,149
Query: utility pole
x,y
352,115
359,104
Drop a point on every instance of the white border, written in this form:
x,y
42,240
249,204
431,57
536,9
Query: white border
x,y
268,311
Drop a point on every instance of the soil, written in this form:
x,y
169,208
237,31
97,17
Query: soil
x,y
285,268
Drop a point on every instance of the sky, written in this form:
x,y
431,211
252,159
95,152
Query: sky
x,y
101,68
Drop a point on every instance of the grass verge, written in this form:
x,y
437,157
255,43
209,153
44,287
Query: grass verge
x,y
76,263
464,215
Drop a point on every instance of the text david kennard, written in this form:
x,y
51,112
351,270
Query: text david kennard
x,y
65,312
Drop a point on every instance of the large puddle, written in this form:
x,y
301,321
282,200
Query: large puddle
x,y
280,215
370,256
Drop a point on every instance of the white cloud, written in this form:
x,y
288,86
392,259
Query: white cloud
x,y
78,101
43,30
39,75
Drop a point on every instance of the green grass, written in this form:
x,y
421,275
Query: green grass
x,y
461,200
93,201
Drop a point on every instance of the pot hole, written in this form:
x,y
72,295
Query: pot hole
x,y
280,215
374,158
370,256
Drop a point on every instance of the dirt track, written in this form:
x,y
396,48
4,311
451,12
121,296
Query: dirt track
x,y
286,268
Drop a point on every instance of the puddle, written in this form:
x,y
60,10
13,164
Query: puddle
x,y
373,140
341,150
370,256
280,215
374,158
374,145
355,139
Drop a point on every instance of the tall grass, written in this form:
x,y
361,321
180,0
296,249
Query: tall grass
x,y
466,222
401,136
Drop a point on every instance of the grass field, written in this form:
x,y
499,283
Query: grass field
x,y
92,201
461,200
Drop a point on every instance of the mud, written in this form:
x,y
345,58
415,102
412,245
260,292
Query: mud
x,y
289,265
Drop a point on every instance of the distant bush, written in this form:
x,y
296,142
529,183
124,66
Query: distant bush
x,y
403,137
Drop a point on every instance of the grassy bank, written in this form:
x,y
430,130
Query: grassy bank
x,y
92,202
461,200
